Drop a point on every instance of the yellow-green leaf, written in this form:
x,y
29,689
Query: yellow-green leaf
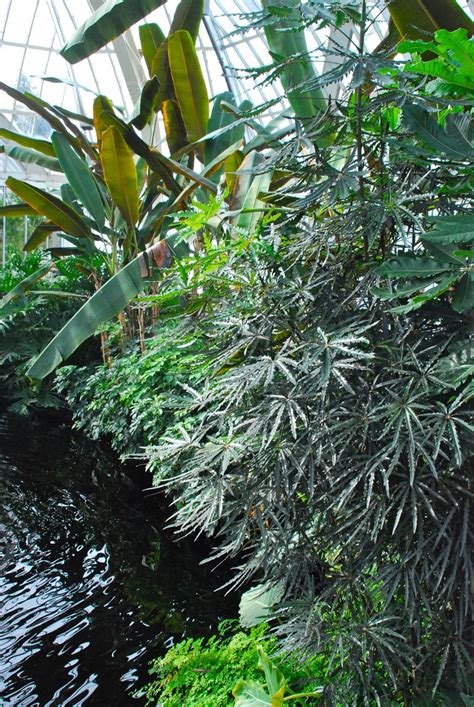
x,y
151,37
43,146
190,87
120,174
50,206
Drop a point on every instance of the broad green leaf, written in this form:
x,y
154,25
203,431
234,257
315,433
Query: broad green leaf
x,y
418,19
120,174
39,236
105,304
249,693
17,210
25,285
187,17
151,37
231,167
460,47
66,218
189,86
440,70
463,299
105,25
24,154
43,146
256,603
80,178
146,105
286,39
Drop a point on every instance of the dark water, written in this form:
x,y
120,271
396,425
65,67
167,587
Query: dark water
x,y
91,588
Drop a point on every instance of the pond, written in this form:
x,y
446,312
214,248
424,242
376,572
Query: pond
x,y
91,586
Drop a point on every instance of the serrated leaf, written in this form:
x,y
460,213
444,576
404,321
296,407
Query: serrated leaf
x,y
463,299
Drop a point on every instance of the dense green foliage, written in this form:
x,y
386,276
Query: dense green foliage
x,y
203,672
302,375
27,324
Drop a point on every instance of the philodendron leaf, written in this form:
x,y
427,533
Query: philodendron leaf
x,y
189,86
65,217
105,304
276,683
120,174
249,693
80,178
106,24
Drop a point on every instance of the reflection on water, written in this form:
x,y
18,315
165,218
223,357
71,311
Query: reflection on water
x,y
89,589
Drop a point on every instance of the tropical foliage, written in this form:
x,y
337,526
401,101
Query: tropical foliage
x,y
301,367
204,672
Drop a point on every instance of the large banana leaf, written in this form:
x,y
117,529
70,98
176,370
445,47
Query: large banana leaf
x,y
188,16
105,304
189,86
418,19
80,178
106,24
151,37
17,210
174,126
65,217
120,174
146,105
25,285
39,236
24,154
43,146
41,108
286,40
